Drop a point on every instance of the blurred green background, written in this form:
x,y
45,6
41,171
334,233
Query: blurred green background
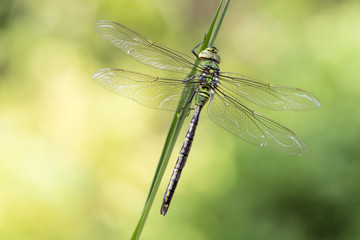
x,y
76,161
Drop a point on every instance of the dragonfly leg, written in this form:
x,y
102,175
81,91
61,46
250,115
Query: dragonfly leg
x,y
188,102
187,79
193,50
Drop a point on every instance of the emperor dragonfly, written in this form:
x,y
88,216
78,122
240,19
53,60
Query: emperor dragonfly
x,y
223,90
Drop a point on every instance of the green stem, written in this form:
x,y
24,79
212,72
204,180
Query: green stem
x,y
218,26
175,127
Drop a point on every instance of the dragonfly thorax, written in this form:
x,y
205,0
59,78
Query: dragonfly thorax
x,y
210,71
210,74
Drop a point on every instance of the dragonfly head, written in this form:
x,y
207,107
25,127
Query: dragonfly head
x,y
210,53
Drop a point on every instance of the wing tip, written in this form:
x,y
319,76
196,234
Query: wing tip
x,y
103,24
99,73
314,101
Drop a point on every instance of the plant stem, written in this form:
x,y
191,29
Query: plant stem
x,y
175,127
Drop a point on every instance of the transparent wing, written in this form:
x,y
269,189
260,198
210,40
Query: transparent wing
x,y
253,127
150,91
142,49
267,95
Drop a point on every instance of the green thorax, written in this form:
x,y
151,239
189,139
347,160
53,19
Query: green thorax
x,y
210,60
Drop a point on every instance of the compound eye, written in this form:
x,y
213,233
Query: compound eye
x,y
213,49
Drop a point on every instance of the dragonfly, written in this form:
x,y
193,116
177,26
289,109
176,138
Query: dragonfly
x,y
223,92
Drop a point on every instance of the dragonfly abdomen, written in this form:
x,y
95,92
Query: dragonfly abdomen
x,y
180,163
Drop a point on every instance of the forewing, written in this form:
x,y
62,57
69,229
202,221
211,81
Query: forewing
x,y
253,127
148,90
274,97
142,49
